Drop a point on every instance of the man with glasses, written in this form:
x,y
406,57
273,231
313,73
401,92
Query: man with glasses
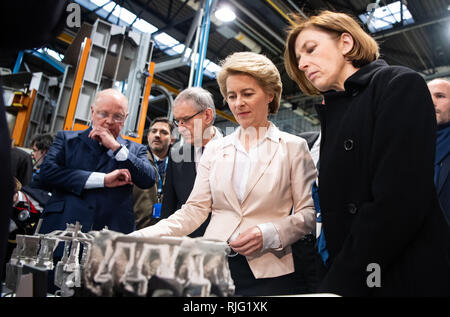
x,y
194,114
91,173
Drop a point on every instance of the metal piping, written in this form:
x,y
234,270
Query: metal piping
x,y
409,28
437,75
415,50
165,95
298,9
257,21
425,50
204,42
284,15
195,48
257,36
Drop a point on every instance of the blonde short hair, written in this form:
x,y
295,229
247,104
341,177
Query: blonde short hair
x,y
365,48
257,66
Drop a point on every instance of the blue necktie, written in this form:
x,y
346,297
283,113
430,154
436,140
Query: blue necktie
x,y
161,171
321,242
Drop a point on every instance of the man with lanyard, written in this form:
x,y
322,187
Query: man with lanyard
x,y
147,202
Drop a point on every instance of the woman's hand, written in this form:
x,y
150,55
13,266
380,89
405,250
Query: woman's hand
x,y
249,242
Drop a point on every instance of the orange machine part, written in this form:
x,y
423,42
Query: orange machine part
x,y
23,116
69,124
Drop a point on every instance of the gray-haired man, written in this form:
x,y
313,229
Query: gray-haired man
x,y
194,115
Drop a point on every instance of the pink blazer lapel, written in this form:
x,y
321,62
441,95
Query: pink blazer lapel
x,y
227,168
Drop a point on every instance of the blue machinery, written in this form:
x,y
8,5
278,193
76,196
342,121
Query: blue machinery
x,y
57,65
206,22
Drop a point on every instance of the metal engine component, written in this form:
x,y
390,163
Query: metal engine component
x,y
158,267
108,263
37,250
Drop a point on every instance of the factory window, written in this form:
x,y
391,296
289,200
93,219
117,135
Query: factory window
x,y
384,18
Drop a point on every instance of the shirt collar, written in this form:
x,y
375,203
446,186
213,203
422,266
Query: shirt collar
x,y
273,134
217,135
157,158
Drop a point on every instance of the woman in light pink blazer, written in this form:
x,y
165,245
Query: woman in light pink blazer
x,y
256,182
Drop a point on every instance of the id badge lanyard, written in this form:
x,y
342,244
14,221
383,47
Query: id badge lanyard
x,y
157,205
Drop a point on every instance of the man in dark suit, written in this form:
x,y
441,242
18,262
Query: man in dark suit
x,y
91,172
21,165
440,92
194,115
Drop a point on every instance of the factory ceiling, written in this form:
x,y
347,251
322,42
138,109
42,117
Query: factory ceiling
x,y
420,41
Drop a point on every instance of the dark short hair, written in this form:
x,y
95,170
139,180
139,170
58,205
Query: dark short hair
x,y
164,120
42,141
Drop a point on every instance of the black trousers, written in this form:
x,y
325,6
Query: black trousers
x,y
308,274
308,264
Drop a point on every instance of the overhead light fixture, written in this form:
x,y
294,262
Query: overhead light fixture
x,y
225,14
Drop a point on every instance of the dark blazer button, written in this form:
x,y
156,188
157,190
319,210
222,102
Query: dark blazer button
x,y
352,209
348,144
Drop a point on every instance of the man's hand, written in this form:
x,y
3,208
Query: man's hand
x,y
118,178
249,242
104,136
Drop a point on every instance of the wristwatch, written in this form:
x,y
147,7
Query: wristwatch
x,y
118,149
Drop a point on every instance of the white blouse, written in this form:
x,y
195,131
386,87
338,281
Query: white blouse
x,y
242,166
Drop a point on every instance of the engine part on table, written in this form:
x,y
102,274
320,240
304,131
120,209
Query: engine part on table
x,y
158,267
69,269
113,264
37,250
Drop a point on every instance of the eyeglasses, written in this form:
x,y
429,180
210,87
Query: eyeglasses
x,y
185,120
117,118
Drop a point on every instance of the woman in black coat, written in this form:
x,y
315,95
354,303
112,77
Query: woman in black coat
x,y
384,230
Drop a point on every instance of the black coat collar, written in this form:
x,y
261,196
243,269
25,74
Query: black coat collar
x,y
363,76
354,83
359,79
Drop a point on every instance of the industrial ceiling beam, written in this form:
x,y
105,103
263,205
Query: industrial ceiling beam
x,y
403,29
257,21
297,8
